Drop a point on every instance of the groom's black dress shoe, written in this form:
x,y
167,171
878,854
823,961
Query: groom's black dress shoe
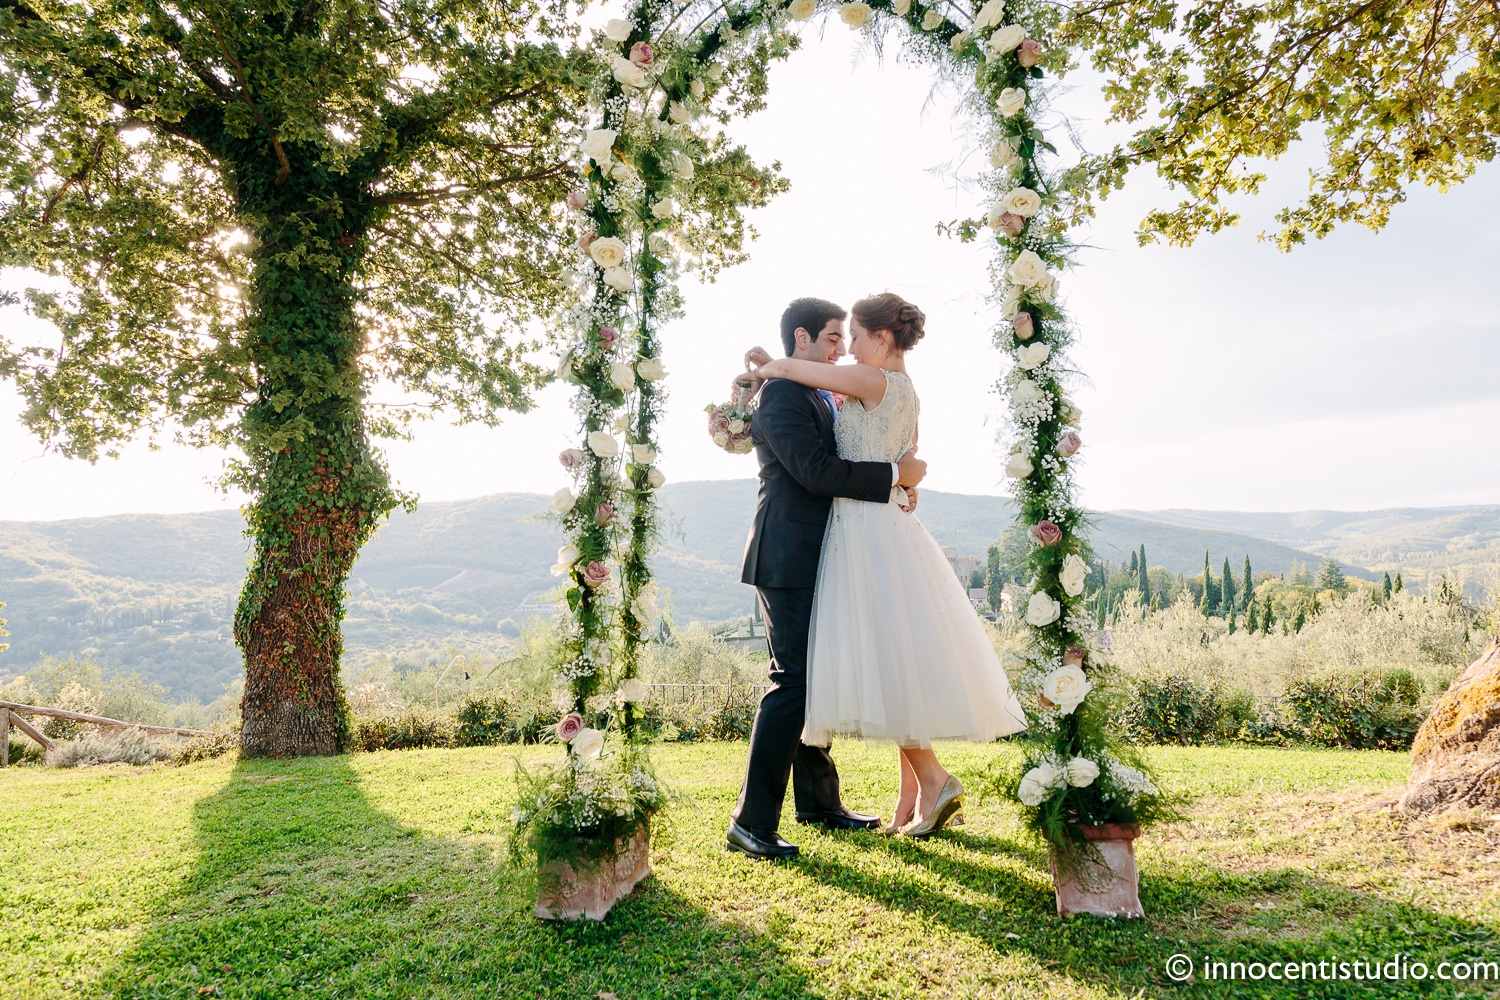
x,y
759,844
840,819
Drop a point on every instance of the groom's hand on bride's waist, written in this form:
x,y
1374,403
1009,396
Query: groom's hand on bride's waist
x,y
911,470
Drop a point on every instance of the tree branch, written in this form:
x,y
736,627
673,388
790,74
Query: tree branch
x,y
285,168
433,195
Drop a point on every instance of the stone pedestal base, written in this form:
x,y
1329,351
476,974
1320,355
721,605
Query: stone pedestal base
x,y
1111,893
589,891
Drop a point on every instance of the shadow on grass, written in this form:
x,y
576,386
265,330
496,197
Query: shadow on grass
x,y
1192,909
302,888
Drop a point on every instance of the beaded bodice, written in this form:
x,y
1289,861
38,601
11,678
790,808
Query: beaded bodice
x,y
883,434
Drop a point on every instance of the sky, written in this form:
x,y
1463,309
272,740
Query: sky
x,y
1355,373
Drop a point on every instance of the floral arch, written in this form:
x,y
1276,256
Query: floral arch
x,y
658,74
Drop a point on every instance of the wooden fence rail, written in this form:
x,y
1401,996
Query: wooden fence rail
x,y
9,715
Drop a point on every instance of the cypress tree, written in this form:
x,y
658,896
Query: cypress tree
x,y
1145,581
1252,616
1247,586
1300,618
1132,562
1210,594
1227,586
1231,621
1268,619
1397,588
1385,586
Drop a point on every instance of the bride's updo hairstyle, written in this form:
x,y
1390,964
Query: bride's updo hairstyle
x,y
889,311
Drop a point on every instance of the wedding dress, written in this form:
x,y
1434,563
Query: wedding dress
x,y
896,650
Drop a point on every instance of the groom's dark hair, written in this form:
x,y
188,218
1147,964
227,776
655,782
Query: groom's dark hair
x,y
811,315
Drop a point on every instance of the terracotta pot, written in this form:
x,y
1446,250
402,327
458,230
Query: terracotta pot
x,y
589,891
1111,891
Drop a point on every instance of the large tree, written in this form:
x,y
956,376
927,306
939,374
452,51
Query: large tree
x,y
258,215
1397,92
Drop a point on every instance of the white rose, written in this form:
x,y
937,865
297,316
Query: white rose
x,y
801,10
958,41
617,29
622,376
931,21
1049,774
989,15
603,444
1022,201
619,279
632,690
655,479
1002,156
856,14
1028,269
680,113
1081,772
1019,466
1045,289
1011,304
1011,100
1033,356
644,606
1065,687
715,71
566,557
627,73
562,501
652,370
1026,392
1031,792
660,244
621,424
1074,572
1007,39
623,173
664,209
721,438
642,454
1070,413
588,744
1042,609
608,251
735,426
697,89
992,217
682,165
901,7
597,144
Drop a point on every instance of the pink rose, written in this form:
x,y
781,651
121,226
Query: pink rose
x,y
571,459
578,199
1011,224
1073,657
718,421
1068,444
1029,54
607,336
642,55
1046,533
569,726
587,240
596,574
603,514
1023,326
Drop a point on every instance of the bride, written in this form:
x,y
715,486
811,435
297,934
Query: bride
x,y
896,650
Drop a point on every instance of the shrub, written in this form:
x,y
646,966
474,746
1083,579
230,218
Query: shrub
x,y
1373,710
493,719
125,746
403,731
205,748
1175,708
25,751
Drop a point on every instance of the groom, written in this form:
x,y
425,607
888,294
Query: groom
x,y
800,473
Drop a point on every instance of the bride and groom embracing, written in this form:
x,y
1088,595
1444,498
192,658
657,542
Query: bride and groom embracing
x,y
871,633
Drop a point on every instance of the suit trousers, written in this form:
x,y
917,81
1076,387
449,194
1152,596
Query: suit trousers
x,y
776,746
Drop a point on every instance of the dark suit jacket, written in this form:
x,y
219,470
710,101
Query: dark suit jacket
x,y
800,474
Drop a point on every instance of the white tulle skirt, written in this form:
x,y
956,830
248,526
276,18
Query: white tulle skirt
x,y
896,650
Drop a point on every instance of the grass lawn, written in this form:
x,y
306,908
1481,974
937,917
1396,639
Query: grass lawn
x,y
383,875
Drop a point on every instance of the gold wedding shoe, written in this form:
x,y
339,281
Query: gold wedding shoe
x,y
949,804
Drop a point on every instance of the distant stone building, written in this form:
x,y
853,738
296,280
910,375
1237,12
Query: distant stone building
x,y
963,566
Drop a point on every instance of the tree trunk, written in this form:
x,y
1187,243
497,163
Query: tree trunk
x,y
1456,755
319,488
